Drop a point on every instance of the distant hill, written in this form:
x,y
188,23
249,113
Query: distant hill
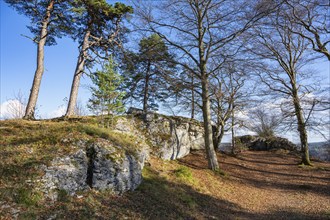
x,y
320,150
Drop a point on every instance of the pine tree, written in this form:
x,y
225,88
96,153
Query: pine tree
x,y
50,19
106,98
97,30
147,71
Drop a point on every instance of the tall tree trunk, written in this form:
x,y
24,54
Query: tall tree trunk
x,y
30,108
77,75
233,130
192,98
146,90
220,128
210,152
220,131
301,128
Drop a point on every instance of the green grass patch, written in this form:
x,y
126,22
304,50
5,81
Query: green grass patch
x,y
187,199
27,197
304,166
221,172
184,173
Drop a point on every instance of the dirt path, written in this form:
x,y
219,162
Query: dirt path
x,y
271,185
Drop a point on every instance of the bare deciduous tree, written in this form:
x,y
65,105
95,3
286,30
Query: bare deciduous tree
x,y
225,99
15,106
314,17
285,55
264,122
197,31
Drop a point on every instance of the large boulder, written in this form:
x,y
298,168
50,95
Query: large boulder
x,y
265,143
99,165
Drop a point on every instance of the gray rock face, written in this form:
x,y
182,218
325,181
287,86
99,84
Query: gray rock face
x,y
171,137
99,165
196,135
68,174
112,168
261,143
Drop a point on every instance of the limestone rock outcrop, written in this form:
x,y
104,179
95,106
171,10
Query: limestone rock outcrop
x,y
104,164
171,137
99,165
261,143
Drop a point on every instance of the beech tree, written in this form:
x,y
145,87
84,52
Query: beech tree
x,y
98,30
264,123
49,19
285,55
312,19
226,95
15,106
197,30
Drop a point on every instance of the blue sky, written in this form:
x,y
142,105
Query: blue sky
x,y
18,63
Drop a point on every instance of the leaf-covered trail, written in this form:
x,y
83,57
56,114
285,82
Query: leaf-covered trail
x,y
269,184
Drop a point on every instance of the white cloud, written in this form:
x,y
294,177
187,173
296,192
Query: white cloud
x,y
60,111
12,109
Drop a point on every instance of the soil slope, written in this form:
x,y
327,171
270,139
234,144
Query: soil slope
x,y
271,185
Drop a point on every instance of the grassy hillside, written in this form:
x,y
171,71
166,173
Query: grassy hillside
x,y
254,185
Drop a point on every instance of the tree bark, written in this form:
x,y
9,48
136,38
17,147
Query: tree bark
x,y
146,90
77,75
218,136
233,130
30,108
301,128
208,139
192,98
210,152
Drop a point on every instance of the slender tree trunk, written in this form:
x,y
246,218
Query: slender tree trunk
x,y
77,75
210,152
233,131
218,137
301,128
192,97
220,128
30,108
146,90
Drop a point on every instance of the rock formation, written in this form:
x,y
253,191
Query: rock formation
x,y
101,164
170,137
261,143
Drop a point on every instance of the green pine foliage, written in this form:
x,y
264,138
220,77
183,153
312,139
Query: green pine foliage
x,y
147,71
98,17
60,22
106,98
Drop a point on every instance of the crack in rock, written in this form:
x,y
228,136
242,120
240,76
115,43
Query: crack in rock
x,y
91,154
99,165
